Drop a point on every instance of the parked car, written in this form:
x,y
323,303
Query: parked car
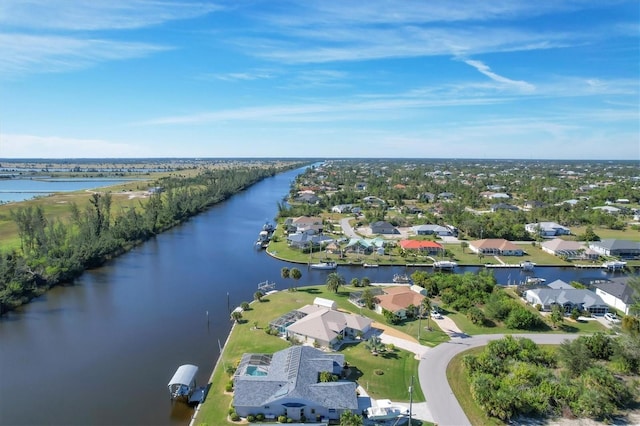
x,y
436,315
612,318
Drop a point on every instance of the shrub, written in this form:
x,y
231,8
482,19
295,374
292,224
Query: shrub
x,y
259,417
235,417
251,418
378,372
231,410
282,419
229,386
522,319
475,315
538,307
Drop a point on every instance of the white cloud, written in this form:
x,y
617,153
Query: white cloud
x,y
97,14
32,146
35,53
484,69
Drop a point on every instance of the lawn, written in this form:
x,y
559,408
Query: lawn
x,y
606,233
397,367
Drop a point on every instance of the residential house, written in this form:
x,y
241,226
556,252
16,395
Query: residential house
x,y
495,246
342,208
446,196
382,227
583,300
411,209
428,197
308,224
569,249
608,209
529,205
287,383
560,285
323,326
374,200
426,246
307,198
617,294
620,248
495,195
547,229
441,231
303,240
397,300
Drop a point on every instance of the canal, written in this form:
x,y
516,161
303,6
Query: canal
x,y
101,351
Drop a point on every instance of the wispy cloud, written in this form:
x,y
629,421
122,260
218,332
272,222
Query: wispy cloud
x,y
29,146
486,70
36,53
97,14
237,76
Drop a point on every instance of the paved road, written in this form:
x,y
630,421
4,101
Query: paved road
x,y
443,405
347,229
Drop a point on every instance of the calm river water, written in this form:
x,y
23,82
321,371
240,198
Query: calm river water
x,y
101,352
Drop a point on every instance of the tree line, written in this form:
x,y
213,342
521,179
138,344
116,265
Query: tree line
x,y
53,251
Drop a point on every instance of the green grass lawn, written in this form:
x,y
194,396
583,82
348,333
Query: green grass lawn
x,y
397,367
605,233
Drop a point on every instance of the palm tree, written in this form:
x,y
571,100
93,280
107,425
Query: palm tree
x,y
334,281
236,316
295,274
426,306
258,296
375,345
284,273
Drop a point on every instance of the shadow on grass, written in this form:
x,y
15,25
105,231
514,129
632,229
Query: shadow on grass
x,y
309,290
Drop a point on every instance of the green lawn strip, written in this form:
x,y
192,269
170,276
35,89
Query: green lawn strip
x,y
397,367
605,233
460,386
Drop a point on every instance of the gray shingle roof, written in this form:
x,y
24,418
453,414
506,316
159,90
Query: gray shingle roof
x,y
586,298
619,290
293,373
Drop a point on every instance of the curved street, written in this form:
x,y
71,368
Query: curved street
x,y
443,405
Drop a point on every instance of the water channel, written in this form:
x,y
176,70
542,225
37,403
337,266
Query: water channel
x,y
101,351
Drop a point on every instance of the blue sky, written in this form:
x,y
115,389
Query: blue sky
x,y
422,79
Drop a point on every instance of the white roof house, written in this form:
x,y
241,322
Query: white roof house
x,y
568,298
547,229
569,249
617,294
324,326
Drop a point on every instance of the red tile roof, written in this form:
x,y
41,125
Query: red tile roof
x,y
419,244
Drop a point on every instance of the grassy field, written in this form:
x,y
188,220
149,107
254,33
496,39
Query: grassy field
x,y
58,207
249,336
605,233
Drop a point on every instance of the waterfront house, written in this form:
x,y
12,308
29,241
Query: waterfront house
x,y
397,300
325,327
569,249
547,229
583,300
426,246
625,249
287,383
617,294
307,224
342,208
495,246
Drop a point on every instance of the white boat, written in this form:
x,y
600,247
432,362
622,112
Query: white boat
x,y
444,264
370,265
527,265
385,410
614,265
324,265
535,280
401,279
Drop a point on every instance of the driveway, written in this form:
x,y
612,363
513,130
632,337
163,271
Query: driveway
x,y
443,405
347,229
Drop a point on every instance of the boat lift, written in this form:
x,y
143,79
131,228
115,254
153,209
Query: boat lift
x,y
183,383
